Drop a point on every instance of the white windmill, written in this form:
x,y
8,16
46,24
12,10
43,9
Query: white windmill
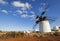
x,y
43,22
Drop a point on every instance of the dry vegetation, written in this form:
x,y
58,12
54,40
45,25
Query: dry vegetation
x,y
33,36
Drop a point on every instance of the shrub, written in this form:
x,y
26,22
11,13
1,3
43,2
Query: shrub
x,y
57,33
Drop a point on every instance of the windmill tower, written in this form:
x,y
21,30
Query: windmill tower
x,y
44,25
43,22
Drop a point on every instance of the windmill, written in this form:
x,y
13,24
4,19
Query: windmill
x,y
43,22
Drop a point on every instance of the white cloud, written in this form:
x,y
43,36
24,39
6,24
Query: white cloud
x,y
19,11
22,11
23,8
25,11
33,16
5,11
20,4
3,2
32,12
27,5
24,15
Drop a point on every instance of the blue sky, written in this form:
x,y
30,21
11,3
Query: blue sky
x,y
18,15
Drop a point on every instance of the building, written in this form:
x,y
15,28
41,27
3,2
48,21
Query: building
x,y
56,28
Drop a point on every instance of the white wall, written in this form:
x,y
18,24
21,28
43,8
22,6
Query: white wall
x,y
44,26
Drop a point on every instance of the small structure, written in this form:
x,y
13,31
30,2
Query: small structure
x,y
27,31
56,28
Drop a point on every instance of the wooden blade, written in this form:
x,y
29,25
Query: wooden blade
x,y
37,17
43,12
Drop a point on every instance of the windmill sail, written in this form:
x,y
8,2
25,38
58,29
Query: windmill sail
x,y
34,26
43,12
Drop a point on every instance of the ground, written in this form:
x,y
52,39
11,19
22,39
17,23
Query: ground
x,y
57,38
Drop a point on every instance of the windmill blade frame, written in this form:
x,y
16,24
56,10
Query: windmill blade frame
x,y
43,12
51,18
34,27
